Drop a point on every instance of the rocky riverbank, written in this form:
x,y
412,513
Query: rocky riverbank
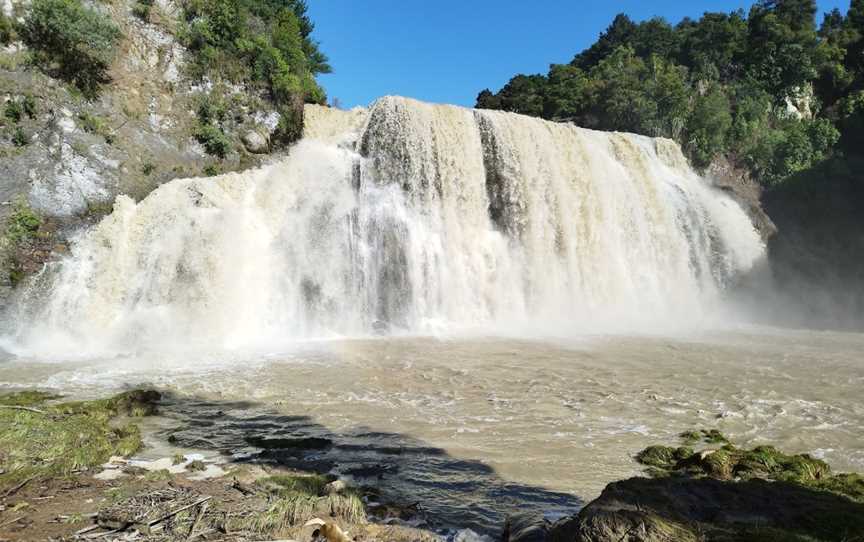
x,y
72,471
87,471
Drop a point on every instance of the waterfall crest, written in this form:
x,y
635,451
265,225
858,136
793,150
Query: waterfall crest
x,y
409,216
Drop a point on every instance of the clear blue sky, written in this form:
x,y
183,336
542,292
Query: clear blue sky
x,y
449,50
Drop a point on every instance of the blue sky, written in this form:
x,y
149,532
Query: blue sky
x,y
448,50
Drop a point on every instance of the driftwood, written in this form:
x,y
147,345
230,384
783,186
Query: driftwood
x,y
146,527
201,512
11,521
28,409
242,488
17,488
87,529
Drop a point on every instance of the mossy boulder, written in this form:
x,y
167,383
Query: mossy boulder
x,y
717,494
679,508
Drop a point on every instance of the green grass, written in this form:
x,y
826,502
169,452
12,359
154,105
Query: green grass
x,y
58,440
23,223
730,462
95,125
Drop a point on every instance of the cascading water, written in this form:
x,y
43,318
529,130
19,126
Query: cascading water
x,y
410,216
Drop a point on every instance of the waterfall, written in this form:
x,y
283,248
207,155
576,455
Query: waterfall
x,y
409,217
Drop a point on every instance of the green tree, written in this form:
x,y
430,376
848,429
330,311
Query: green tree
x,y
75,42
523,94
617,97
565,92
713,45
708,126
781,45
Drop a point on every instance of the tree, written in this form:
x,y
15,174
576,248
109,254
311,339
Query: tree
x,y
523,94
708,126
713,45
565,96
487,100
619,33
617,97
781,45
75,42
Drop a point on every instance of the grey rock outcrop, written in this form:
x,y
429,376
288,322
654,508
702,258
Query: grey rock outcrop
x,y
738,183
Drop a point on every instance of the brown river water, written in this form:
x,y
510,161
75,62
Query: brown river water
x,y
475,428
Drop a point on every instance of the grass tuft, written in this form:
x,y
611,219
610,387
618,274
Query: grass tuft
x,y
730,462
62,439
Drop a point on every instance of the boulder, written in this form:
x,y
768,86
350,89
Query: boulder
x,y
682,509
255,142
526,527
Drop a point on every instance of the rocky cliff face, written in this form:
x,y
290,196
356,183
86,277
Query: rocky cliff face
x,y
67,157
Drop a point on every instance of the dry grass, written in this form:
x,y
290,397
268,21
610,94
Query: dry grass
x,y
295,499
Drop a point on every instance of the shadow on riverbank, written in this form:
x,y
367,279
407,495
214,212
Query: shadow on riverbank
x,y
450,492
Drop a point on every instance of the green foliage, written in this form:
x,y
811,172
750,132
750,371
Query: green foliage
x,y
708,127
58,440
663,457
730,462
95,125
28,104
76,42
13,111
213,139
19,137
142,8
7,30
781,44
23,223
718,85
262,44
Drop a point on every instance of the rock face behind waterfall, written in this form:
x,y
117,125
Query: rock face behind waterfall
x,y
411,216
71,157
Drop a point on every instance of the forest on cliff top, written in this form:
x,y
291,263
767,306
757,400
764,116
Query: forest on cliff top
x,y
768,88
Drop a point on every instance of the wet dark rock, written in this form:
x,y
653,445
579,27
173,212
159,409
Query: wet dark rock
x,y
371,471
739,184
526,527
290,460
290,443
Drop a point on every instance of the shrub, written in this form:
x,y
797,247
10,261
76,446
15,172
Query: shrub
x,y
19,138
23,223
13,111
7,30
95,125
263,44
28,104
76,42
290,126
142,9
214,140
